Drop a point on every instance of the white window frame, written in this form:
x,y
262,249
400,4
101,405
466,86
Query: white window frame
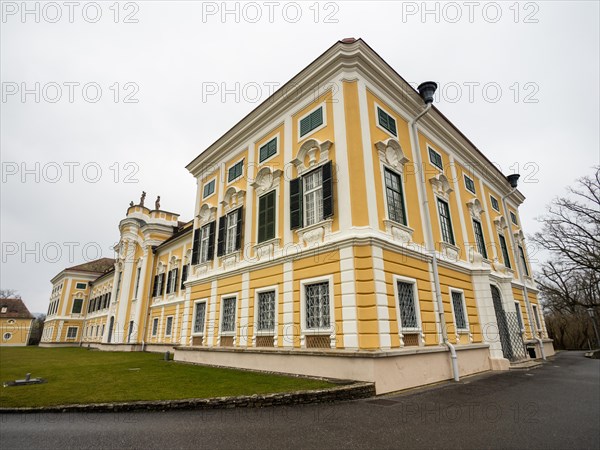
x,y
465,176
320,127
258,291
429,147
410,330
138,275
78,288
332,319
536,317
231,166
172,323
203,248
213,192
383,167
154,332
196,303
230,243
467,329
437,209
172,278
4,338
265,142
235,316
76,333
312,192
492,203
520,314
385,110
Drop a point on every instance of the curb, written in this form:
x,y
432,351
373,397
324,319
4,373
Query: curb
x,y
340,393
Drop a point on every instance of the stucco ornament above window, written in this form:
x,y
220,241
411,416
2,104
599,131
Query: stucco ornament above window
x,y
174,262
233,198
207,214
161,267
441,186
475,208
266,179
519,236
390,153
500,223
310,148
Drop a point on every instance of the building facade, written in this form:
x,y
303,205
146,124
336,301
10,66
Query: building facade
x,y
15,323
333,235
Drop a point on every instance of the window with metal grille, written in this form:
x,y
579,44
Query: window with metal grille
x,y
494,202
169,326
266,217
199,315
445,221
266,311
479,238
311,121
235,171
519,316
228,315
71,332
395,199
267,150
406,303
313,197
513,218
469,184
386,121
209,189
435,158
230,240
154,326
77,305
317,305
523,260
459,310
504,249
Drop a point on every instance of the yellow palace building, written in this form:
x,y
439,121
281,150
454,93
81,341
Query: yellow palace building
x,y
352,232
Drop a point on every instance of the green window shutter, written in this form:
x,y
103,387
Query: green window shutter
x,y
154,287
268,150
238,234
327,190
221,239
296,203
266,217
211,240
312,121
196,247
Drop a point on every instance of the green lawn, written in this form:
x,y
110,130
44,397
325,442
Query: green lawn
x,y
76,375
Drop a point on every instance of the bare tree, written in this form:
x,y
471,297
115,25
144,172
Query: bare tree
x,y
9,293
570,280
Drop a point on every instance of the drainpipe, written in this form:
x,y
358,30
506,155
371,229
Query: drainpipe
x,y
513,179
426,90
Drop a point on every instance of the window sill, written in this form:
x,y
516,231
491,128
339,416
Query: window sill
x,y
267,249
399,231
315,233
449,251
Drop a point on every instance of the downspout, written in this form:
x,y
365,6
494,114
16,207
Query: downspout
x,y
430,245
522,276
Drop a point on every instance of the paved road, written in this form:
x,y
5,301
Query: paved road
x,y
556,406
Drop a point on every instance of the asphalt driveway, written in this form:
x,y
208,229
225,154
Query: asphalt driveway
x,y
556,406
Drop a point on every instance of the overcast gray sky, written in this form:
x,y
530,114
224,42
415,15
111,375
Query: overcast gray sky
x,y
520,80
